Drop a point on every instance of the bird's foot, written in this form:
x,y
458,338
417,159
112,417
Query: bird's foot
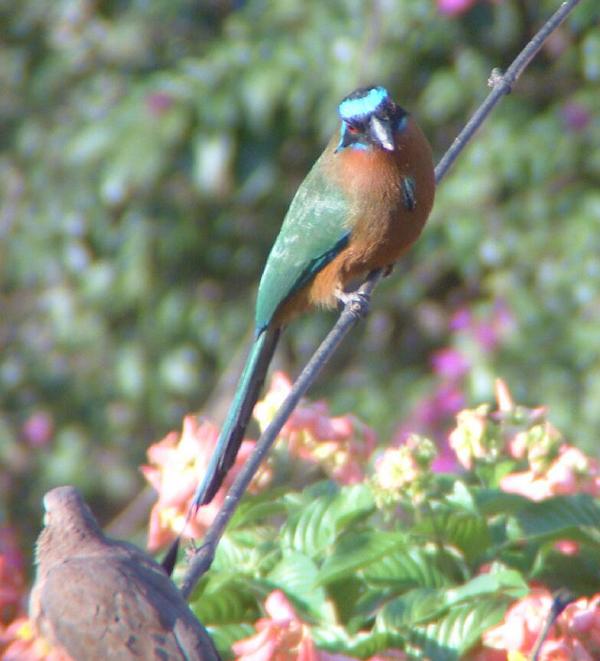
x,y
356,302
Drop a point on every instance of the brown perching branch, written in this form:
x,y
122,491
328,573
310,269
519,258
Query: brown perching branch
x,y
354,310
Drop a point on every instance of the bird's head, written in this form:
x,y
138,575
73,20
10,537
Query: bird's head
x,y
370,120
68,525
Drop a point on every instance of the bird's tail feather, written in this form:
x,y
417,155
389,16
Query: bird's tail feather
x,y
234,427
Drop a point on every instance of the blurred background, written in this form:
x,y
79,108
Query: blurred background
x,y
149,151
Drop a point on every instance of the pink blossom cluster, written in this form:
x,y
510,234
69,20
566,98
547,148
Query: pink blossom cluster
x,y
575,636
404,470
339,445
570,472
176,466
282,636
553,467
473,438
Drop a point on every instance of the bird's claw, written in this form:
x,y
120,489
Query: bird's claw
x,y
356,302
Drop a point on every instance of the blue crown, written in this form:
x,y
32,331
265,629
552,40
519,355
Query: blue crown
x,y
363,102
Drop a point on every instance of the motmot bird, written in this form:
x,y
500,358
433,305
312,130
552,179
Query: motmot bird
x,y
361,206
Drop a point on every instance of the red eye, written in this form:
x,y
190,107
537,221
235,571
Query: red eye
x,y
353,129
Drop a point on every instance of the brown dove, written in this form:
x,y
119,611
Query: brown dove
x,y
97,598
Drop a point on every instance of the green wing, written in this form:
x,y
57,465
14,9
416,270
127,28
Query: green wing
x,y
314,230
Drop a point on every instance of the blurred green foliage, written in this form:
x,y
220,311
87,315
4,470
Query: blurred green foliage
x,y
149,152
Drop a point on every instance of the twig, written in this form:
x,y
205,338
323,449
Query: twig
x,y
502,84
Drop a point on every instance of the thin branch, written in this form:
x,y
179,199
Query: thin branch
x,y
502,84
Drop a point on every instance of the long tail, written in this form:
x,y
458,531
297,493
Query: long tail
x,y
232,432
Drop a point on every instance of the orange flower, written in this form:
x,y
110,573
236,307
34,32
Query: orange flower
x,y
280,637
176,465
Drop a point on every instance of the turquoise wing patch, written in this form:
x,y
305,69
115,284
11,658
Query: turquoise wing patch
x,y
315,229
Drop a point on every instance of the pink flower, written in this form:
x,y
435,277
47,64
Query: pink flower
x,y
526,484
38,429
388,655
431,417
575,115
461,319
405,469
567,547
504,398
12,579
158,103
522,623
20,642
283,636
280,637
395,469
340,445
574,472
487,330
571,472
454,7
470,440
450,363
176,465
575,636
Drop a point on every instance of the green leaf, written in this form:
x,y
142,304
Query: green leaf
x,y
461,496
246,551
437,625
507,581
445,623
356,551
362,645
296,574
460,629
258,508
467,531
494,501
573,517
579,573
413,567
315,523
419,605
226,601
354,601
